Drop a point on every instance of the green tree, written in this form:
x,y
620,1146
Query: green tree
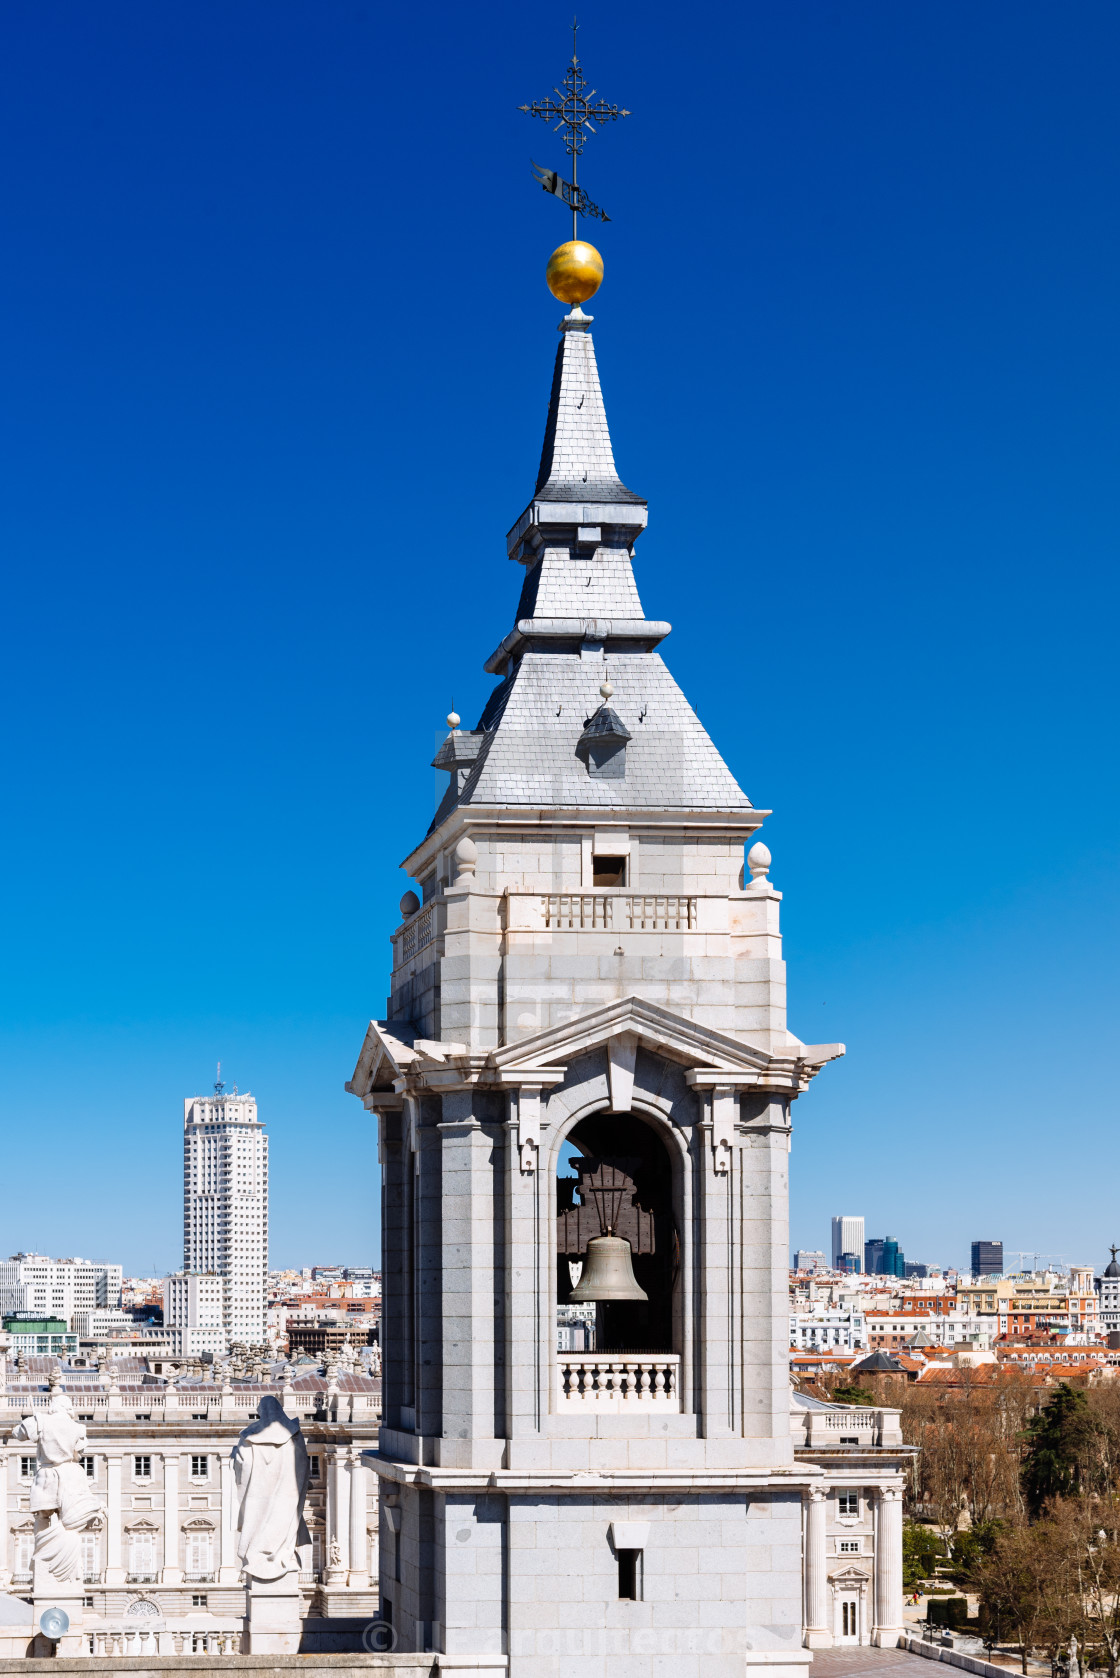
x,y
853,1395
1065,1450
921,1552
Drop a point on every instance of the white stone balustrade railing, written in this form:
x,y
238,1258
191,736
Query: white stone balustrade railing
x,y
617,1380
122,1640
854,1424
621,912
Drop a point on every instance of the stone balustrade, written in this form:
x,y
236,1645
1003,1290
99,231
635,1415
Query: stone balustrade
x,y
617,1380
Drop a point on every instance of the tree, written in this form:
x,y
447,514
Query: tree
x,y
921,1552
852,1395
1066,1450
1014,1582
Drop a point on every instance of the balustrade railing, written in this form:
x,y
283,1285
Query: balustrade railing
x,y
639,912
617,1380
417,935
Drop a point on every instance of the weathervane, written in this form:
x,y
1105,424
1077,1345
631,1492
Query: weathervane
x,y
573,111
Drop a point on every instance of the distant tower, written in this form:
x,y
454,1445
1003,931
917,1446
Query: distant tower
x,y
225,1205
987,1258
847,1237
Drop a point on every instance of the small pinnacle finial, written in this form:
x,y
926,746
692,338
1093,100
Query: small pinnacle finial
x,y
453,719
758,861
606,690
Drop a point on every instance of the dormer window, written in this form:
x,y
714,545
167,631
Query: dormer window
x,y
602,745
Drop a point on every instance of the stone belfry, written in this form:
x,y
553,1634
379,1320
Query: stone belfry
x,y
586,1041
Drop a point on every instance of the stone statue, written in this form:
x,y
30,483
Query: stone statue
x,y
61,1499
334,1553
271,1469
1074,1666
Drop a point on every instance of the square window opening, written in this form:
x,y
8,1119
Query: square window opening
x,y
849,1503
629,1575
199,1599
608,870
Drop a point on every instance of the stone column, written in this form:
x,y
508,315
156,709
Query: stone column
x,y
230,1568
888,1568
818,1634
338,1517
114,1567
172,1571
359,1544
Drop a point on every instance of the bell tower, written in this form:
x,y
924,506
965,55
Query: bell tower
x,y
583,1084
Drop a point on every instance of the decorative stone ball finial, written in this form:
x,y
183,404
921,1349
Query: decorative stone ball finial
x,y
409,904
453,720
466,856
606,689
758,861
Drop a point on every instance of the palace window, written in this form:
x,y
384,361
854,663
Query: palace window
x,y
142,1555
142,1468
849,1503
200,1468
849,1546
27,1467
89,1465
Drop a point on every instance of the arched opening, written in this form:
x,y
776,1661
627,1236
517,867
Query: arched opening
x,y
615,1176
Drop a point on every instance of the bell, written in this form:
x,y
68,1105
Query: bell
x,y
608,1272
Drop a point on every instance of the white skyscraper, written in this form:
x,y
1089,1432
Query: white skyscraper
x,y
847,1237
225,1208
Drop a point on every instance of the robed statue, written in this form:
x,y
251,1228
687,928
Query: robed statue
x,y
61,1499
271,1469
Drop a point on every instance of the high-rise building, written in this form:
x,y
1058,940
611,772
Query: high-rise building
x,y
847,1238
803,1259
883,1257
987,1258
225,1217
31,1282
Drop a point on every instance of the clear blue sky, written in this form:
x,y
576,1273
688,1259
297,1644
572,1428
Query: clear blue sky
x,y
275,357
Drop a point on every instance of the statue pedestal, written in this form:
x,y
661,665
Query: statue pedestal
x,y
274,1618
69,1595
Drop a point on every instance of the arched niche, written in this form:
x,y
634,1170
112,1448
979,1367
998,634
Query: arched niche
x,y
639,1150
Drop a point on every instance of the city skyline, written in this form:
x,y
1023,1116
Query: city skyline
x,y
888,364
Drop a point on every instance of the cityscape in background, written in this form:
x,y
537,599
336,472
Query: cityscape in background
x,y
225,1301
864,1305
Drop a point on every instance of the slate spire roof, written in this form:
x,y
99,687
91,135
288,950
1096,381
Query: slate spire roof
x,y
579,620
577,461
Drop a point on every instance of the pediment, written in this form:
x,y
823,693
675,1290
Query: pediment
x,y
850,1575
390,1052
695,1046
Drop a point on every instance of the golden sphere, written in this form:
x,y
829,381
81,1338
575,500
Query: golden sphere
x,y
574,272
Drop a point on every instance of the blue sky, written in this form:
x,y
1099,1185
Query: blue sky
x,y
276,351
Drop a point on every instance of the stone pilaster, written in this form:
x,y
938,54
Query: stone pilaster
x,y
338,1517
172,1570
471,1205
229,1567
763,1241
114,1520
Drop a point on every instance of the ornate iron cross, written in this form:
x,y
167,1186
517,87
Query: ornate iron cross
x,y
573,112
